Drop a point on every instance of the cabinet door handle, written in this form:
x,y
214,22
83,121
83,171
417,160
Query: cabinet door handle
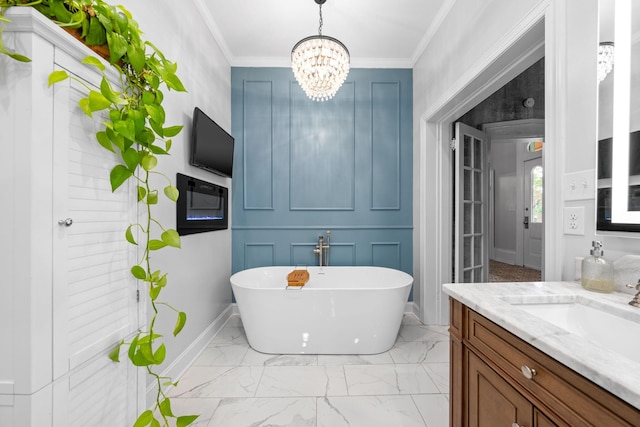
x,y
516,425
66,222
528,372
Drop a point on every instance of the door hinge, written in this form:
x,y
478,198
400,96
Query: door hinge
x,y
453,144
137,295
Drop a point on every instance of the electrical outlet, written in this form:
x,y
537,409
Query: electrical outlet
x,y
580,185
573,221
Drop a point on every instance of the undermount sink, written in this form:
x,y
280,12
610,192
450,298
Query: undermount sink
x,y
604,328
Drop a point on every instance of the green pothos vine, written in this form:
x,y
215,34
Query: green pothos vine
x,y
135,130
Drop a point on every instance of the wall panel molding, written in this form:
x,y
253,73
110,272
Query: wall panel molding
x,y
322,151
257,138
385,145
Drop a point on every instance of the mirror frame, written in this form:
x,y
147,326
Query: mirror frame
x,y
620,212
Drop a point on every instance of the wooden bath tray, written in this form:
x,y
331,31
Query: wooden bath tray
x,y
297,278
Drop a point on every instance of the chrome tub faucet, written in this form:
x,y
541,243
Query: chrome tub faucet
x,y
322,249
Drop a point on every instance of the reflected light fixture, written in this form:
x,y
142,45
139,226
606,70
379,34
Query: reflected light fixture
x,y
320,64
605,60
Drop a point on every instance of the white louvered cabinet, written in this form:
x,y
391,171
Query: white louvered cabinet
x,y
67,296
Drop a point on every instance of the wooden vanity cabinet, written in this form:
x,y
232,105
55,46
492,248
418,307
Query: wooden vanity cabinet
x,y
490,388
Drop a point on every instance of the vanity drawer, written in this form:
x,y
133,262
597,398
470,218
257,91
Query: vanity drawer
x,y
571,398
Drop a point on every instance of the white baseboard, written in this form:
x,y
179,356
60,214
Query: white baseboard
x,y
179,366
505,255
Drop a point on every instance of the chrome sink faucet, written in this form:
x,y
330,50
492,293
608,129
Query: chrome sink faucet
x,y
636,299
322,249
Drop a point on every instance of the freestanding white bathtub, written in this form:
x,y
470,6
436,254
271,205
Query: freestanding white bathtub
x,y
341,310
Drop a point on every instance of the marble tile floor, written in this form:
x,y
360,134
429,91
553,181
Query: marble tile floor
x,y
231,385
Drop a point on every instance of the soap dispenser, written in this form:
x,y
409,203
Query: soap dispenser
x,y
597,272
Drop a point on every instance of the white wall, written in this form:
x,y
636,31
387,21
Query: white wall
x,y
199,272
505,181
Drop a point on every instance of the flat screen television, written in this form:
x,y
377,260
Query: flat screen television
x,y
211,146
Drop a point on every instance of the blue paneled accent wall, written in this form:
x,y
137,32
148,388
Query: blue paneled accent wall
x,y
303,167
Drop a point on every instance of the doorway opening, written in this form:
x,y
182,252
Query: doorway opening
x,y
507,239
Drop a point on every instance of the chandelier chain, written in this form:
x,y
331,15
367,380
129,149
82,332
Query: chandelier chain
x,y
320,26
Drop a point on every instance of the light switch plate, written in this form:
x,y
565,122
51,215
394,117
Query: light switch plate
x,y
573,220
580,185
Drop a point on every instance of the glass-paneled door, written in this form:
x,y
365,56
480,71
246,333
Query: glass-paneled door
x,y
471,205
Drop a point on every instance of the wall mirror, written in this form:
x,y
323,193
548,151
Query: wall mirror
x,y
618,198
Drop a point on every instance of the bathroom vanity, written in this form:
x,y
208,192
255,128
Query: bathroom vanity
x,y
542,354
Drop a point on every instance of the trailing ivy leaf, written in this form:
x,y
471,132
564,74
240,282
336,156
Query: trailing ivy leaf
x,y
138,117
185,420
136,58
103,139
155,276
133,346
117,46
96,34
85,28
170,67
171,192
180,322
119,174
168,145
138,272
156,113
126,128
130,157
152,198
155,244
155,423
157,127
129,233
172,131
121,20
154,292
107,92
160,354
165,408
148,338
172,81
148,97
116,138
97,101
84,106
145,353
144,419
159,97
92,60
114,354
149,162
145,137
141,192
57,76
102,13
153,81
114,115
162,281
157,150
171,238
59,10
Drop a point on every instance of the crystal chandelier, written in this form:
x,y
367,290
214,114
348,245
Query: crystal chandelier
x,y
605,60
320,64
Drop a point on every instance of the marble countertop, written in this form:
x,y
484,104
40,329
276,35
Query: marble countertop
x,y
499,302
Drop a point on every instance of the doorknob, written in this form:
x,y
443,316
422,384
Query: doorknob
x,y
66,222
526,222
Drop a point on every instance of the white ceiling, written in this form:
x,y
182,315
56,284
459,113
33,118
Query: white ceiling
x,y
378,33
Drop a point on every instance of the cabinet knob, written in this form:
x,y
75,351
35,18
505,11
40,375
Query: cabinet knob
x,y
528,372
66,222
516,425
